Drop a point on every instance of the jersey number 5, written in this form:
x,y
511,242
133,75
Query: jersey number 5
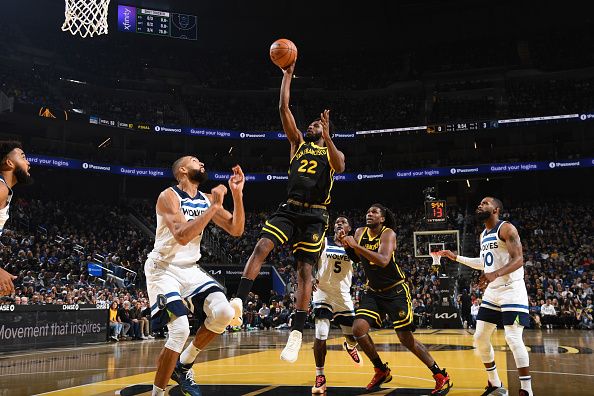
x,y
308,166
337,268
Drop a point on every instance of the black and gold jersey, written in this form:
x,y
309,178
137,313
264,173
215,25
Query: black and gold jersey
x,y
310,175
378,278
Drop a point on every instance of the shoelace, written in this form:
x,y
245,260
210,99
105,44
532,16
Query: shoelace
x,y
190,377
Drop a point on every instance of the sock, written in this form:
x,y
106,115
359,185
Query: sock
x,y
494,377
319,370
157,391
435,368
299,321
377,363
189,354
245,285
526,384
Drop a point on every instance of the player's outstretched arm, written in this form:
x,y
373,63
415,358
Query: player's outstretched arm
x,y
334,154
289,126
233,223
510,235
472,262
380,258
182,230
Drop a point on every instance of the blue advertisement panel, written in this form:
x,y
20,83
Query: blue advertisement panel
x,y
453,171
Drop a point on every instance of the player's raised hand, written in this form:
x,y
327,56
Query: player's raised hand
x,y
290,69
447,253
218,194
349,241
237,180
6,285
325,121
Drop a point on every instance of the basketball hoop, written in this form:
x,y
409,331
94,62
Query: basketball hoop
x,y
86,17
436,264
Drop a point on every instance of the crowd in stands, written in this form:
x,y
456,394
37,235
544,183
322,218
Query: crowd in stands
x,y
49,245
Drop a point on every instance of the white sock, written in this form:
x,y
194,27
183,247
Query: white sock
x,y
189,354
526,384
494,377
320,371
157,391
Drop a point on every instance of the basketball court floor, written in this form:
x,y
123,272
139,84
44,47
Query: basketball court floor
x,y
248,364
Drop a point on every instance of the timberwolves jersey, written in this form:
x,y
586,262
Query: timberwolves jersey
x,y
310,175
494,255
4,210
335,269
379,278
167,249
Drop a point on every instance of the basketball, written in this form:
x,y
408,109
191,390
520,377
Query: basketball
x,y
283,52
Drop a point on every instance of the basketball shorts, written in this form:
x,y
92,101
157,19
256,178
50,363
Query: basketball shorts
x,y
334,305
303,228
396,303
505,305
172,288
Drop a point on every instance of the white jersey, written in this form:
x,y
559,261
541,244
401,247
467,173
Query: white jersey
x,y
494,256
166,248
4,210
335,269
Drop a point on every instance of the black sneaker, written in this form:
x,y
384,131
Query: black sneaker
x,y
184,376
494,390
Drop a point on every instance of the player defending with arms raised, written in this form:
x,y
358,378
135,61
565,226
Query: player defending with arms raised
x,y
172,274
14,168
386,293
332,300
301,220
505,299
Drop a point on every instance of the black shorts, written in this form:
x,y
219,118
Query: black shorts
x,y
340,320
396,303
303,228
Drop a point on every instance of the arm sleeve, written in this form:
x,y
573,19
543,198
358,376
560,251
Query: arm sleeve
x,y
352,255
472,262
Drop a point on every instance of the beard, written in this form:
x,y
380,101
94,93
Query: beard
x,y
482,216
22,177
198,176
312,137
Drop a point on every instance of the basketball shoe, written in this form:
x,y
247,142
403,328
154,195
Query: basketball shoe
x,y
237,305
291,351
353,353
381,377
320,387
442,384
184,376
494,390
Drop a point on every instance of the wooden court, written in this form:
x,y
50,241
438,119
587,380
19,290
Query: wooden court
x,y
248,363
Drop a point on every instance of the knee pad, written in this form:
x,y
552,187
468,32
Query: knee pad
x,y
179,331
482,341
322,329
219,312
513,337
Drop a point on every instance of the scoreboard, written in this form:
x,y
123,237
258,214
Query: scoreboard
x,y
158,23
435,211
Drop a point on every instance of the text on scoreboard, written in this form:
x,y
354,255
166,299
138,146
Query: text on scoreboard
x,y
158,23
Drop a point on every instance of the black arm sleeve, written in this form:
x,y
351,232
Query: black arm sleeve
x,y
352,255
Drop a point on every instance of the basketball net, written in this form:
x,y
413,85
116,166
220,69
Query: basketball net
x,y
86,17
436,264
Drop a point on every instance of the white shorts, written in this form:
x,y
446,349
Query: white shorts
x,y
176,283
334,305
509,297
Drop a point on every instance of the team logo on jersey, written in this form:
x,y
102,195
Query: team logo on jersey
x,y
315,237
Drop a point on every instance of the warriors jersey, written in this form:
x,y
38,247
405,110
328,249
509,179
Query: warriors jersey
x,y
310,175
4,210
166,248
494,255
379,278
335,269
